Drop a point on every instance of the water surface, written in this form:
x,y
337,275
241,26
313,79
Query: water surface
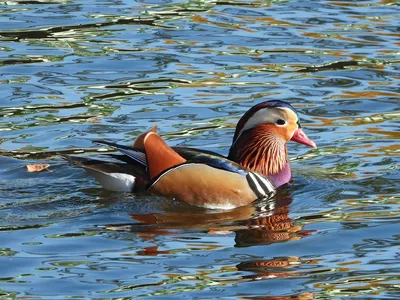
x,y
73,71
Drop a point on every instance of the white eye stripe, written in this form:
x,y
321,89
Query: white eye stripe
x,y
265,116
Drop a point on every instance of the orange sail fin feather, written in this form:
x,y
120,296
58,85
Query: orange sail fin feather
x,y
160,156
139,142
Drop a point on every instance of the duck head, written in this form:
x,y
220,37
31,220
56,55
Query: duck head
x,y
259,143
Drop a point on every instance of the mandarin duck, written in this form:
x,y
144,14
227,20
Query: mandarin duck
x,y
257,163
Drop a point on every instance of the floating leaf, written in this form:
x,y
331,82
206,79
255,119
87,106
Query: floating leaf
x,y
37,167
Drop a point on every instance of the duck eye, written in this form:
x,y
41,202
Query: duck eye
x,y
280,122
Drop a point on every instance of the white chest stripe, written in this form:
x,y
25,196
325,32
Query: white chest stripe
x,y
267,184
260,185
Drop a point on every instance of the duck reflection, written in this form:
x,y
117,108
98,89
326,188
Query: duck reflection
x,y
263,222
271,226
278,267
268,269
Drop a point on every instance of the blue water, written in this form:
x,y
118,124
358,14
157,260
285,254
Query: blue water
x,y
73,71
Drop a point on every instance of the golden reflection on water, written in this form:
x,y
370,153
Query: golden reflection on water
x,y
363,95
357,121
358,286
355,4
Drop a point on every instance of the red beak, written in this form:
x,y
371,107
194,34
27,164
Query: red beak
x,y
300,137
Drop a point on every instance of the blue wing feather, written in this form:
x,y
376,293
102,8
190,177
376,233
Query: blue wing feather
x,y
136,154
212,159
190,154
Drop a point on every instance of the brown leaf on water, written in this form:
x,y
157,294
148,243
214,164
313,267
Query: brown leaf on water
x,y
222,232
37,167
